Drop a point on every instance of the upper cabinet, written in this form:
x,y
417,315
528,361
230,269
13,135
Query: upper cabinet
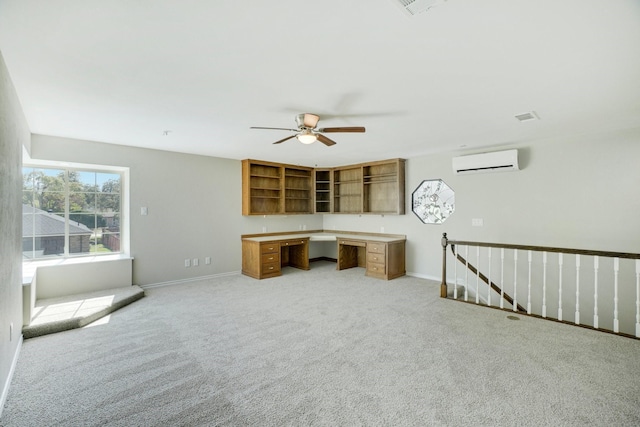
x,y
367,188
370,188
275,189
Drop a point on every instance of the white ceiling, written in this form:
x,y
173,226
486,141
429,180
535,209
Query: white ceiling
x,y
449,79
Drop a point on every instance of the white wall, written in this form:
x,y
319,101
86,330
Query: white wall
x,y
577,193
194,207
14,134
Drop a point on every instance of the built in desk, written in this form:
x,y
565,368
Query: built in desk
x,y
382,255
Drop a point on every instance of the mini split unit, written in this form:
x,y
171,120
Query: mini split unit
x,y
497,161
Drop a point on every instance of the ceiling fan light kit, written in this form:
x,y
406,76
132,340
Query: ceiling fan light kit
x,y
307,132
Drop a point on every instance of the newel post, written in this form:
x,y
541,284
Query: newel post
x,y
443,285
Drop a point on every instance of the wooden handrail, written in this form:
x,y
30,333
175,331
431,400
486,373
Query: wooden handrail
x,y
545,249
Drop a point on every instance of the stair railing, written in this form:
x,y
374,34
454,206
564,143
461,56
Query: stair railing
x,y
601,288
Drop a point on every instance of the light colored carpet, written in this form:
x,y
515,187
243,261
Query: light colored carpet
x,y
53,315
322,348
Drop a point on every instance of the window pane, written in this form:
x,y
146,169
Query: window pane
x,y
108,182
87,180
43,246
27,178
108,202
93,206
82,202
110,242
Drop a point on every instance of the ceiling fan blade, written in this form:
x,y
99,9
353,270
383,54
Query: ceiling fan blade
x,y
343,129
284,139
326,141
260,127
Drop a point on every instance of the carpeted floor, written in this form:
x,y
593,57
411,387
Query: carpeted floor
x,y
322,348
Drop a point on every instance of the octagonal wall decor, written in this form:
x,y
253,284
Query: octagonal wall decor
x,y
433,201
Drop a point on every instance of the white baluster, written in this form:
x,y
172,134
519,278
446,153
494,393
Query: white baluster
x,y
544,284
577,319
455,272
595,291
529,290
489,289
638,298
560,262
616,270
477,274
466,273
502,278
515,280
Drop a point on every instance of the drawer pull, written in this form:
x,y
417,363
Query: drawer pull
x,y
270,268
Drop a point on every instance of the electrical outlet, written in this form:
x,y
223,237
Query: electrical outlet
x,y
304,226
382,229
144,211
264,229
207,260
477,222
196,262
187,262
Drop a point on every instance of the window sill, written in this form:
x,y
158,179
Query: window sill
x,y
29,267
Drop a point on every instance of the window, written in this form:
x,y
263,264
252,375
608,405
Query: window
x,y
70,212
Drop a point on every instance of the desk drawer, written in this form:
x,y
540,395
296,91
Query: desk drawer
x,y
347,242
378,248
293,242
270,258
270,268
374,257
376,268
269,248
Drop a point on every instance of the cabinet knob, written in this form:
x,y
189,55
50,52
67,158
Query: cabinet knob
x,y
270,268
287,243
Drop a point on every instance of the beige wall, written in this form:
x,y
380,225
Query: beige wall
x,y
14,134
578,192
194,207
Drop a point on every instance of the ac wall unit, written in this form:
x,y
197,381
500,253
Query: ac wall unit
x,y
497,161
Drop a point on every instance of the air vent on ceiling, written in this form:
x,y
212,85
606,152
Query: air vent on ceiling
x,y
525,117
414,7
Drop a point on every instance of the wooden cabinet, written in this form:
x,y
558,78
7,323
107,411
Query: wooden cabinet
x,y
383,187
386,260
275,189
367,188
262,260
370,188
347,190
382,259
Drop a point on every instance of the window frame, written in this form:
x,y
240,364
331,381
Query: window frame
x,y
67,168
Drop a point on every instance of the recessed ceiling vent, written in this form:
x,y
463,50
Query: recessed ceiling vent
x,y
525,117
414,7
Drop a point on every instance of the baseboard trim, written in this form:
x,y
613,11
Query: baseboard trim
x,y
7,383
424,276
183,281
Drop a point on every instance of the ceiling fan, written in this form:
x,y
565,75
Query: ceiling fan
x,y
307,132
